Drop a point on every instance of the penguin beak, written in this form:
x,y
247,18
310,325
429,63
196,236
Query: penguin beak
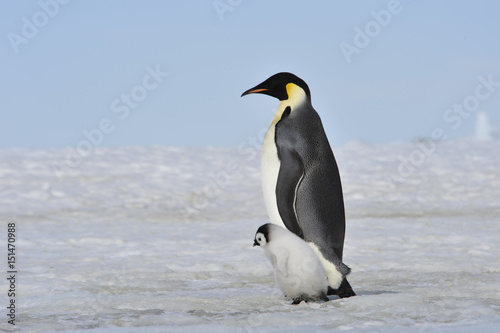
x,y
269,88
255,243
254,90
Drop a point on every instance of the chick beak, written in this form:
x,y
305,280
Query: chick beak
x,y
255,243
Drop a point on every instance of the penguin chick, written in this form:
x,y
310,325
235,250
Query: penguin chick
x,y
297,269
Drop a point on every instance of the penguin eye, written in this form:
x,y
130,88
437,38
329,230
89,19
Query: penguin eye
x,y
259,239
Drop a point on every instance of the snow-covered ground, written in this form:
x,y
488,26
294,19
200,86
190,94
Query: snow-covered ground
x,y
155,239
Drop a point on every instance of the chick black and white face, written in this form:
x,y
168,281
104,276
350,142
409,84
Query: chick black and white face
x,y
260,239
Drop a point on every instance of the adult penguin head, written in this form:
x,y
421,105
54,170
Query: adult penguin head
x,y
280,86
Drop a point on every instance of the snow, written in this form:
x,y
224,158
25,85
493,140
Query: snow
x,y
155,239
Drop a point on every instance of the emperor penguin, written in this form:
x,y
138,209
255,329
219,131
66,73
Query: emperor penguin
x,y
300,177
297,269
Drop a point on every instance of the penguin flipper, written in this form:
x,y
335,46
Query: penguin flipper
x,y
289,177
282,262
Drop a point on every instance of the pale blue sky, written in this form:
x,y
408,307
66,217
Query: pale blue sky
x,y
71,74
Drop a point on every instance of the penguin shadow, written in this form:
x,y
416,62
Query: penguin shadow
x,y
366,293
336,298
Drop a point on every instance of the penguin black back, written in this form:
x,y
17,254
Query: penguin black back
x,y
300,137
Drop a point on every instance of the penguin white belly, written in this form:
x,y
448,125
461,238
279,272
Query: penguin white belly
x,y
270,167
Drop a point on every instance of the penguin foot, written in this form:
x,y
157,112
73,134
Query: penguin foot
x,y
343,291
299,300
324,298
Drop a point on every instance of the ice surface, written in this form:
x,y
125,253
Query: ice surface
x,y
155,239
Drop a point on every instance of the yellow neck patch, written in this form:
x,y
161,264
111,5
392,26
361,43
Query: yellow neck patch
x,y
289,89
296,96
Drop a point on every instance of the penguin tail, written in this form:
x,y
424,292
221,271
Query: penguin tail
x,y
344,269
343,291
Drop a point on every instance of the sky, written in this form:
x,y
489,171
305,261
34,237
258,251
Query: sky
x,y
122,73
